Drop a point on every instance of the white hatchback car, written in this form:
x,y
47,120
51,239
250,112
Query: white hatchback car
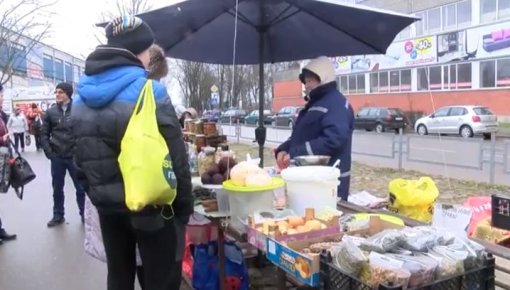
x,y
465,121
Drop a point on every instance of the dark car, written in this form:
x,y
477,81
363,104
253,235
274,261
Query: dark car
x,y
253,117
233,116
287,116
380,119
211,116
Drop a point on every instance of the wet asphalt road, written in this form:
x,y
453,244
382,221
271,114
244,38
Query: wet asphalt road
x,y
43,258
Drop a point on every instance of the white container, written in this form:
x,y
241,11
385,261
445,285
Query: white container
x,y
311,187
243,204
223,200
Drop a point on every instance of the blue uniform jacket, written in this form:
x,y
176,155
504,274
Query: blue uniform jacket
x,y
325,127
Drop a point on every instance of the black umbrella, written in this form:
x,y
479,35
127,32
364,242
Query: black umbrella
x,y
271,31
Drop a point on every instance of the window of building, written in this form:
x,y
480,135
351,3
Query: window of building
x,y
434,16
464,75
49,70
405,80
384,83
59,69
374,82
449,16
491,10
444,18
394,81
68,72
464,13
488,74
435,78
352,84
361,83
423,79
503,73
344,87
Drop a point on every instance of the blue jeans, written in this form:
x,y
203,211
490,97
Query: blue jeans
x,y
59,166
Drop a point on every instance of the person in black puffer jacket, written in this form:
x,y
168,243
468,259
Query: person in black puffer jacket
x,y
114,77
58,142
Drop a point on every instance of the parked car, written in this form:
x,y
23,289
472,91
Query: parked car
x,y
465,121
233,116
253,117
287,116
211,116
380,119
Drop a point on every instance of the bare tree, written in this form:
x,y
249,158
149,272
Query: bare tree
x,y
195,80
21,30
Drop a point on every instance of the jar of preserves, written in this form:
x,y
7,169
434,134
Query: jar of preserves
x,y
210,129
199,128
206,160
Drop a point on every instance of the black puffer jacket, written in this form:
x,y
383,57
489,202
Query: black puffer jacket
x,y
102,109
57,138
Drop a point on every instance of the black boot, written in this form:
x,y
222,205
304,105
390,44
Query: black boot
x,y
55,221
4,236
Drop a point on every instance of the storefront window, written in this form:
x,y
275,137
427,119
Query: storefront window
x,y
487,74
361,83
343,84
435,78
464,76
423,79
395,81
405,80
383,82
374,82
503,73
503,9
352,85
449,16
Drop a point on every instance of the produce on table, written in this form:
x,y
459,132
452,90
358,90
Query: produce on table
x,y
217,173
384,270
349,257
289,226
422,268
246,170
384,241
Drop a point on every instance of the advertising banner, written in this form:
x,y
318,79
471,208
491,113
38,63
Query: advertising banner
x,y
342,64
489,41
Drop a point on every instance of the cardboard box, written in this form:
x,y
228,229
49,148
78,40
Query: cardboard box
x,y
303,267
375,225
259,239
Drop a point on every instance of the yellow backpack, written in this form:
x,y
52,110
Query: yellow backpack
x,y
144,158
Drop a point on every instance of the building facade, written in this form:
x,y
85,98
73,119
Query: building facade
x,y
459,53
36,73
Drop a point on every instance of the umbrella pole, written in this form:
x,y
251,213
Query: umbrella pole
x,y
260,132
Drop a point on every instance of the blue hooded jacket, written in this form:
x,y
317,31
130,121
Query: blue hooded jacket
x,y
106,97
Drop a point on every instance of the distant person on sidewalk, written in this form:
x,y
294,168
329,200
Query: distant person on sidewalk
x,y
58,143
34,116
4,145
325,126
18,126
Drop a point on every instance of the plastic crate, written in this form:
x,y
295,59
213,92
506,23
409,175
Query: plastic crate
x,y
483,278
501,211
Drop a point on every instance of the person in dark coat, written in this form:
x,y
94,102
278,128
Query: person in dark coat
x,y
115,74
4,142
325,126
58,142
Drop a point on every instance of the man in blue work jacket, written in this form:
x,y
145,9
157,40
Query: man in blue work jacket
x,y
325,125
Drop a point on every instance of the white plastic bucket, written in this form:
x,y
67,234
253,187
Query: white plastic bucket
x,y
243,204
311,187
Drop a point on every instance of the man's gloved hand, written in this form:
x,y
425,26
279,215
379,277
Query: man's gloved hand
x,y
283,159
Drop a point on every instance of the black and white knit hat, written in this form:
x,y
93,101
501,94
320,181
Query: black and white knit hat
x,y
131,33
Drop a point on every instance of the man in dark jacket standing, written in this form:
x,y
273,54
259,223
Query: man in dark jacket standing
x,y
58,143
325,125
114,77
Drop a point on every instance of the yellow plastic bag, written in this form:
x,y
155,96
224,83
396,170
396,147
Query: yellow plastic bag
x,y
413,198
144,158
